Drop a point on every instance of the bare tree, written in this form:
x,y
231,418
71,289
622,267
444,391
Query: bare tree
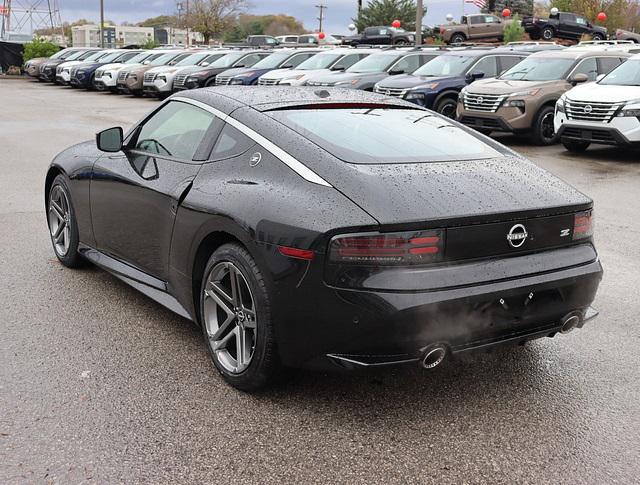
x,y
212,17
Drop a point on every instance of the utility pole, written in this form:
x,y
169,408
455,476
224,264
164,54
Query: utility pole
x,y
102,23
188,19
419,15
322,8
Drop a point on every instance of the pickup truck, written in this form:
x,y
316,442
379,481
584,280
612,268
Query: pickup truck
x,y
255,41
622,34
381,35
562,25
473,27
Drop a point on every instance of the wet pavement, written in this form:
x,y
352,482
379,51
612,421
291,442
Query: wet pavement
x,y
100,384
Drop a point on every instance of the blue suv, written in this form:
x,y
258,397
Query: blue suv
x,y
280,59
436,84
83,75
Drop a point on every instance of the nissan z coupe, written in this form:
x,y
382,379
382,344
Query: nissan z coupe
x,y
326,228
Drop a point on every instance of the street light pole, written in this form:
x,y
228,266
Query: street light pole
x,y
102,23
322,8
188,22
419,15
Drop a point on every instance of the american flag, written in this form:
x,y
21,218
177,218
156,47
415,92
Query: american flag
x,y
477,3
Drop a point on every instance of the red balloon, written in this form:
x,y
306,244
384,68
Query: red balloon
x,y
396,23
506,13
602,17
321,35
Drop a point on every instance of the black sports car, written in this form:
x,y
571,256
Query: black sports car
x,y
324,228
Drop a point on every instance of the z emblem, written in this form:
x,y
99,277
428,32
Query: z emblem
x,y
565,232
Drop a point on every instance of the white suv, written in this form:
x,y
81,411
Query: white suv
x,y
606,112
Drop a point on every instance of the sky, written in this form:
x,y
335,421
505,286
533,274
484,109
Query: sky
x,y
337,16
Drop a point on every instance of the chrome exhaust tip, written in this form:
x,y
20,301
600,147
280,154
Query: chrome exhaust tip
x,y
433,356
569,322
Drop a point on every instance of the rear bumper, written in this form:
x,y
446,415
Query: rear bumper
x,y
331,327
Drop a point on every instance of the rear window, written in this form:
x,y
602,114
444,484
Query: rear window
x,y
385,135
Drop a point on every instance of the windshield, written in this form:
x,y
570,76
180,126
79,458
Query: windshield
x,y
94,56
375,63
228,60
272,61
626,74
66,54
385,135
320,61
446,65
162,60
111,57
539,69
137,59
211,58
193,59
76,56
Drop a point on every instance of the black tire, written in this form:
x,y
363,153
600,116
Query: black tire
x,y
264,365
597,36
458,38
401,42
70,257
543,133
447,107
210,82
575,146
547,33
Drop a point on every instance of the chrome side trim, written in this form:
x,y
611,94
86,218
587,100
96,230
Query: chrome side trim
x,y
294,164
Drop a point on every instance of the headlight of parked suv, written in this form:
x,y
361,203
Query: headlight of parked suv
x,y
519,103
414,95
236,81
560,104
345,83
632,108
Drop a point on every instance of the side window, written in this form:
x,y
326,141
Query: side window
x,y
487,65
370,31
490,19
231,143
384,32
567,17
293,61
507,62
477,19
588,67
176,131
581,21
607,64
249,60
407,64
270,41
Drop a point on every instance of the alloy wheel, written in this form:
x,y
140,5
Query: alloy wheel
x,y
448,110
59,214
230,317
547,129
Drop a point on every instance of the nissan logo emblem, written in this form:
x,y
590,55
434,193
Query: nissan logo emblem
x,y
517,236
588,108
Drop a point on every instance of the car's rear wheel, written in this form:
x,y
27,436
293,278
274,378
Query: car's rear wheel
x,y
597,36
458,38
548,33
401,42
63,228
575,146
544,132
447,107
236,319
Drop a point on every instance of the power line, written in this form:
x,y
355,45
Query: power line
x,y
322,8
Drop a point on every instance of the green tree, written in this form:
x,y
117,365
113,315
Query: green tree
x,y
383,12
159,21
149,44
513,31
213,17
39,48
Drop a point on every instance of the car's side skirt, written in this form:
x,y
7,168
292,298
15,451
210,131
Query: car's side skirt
x,y
152,287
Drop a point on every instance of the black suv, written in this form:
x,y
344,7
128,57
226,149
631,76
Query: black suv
x,y
562,25
381,35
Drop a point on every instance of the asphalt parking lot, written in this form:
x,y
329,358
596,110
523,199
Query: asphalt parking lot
x,y
100,384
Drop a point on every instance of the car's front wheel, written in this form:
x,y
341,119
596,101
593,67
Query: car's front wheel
x,y
597,36
63,227
447,107
458,38
236,319
544,132
575,146
548,33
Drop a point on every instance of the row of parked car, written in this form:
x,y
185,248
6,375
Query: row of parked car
x,y
517,88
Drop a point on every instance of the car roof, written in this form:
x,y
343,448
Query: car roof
x,y
229,98
574,53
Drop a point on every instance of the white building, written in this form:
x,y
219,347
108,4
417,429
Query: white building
x,y
114,36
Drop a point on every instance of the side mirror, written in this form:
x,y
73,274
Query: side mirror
x,y
337,68
286,66
204,64
600,77
110,140
395,72
472,76
578,78
240,65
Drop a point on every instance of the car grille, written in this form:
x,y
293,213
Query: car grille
x,y
149,77
488,103
123,76
223,81
591,111
477,122
180,80
267,82
397,92
596,136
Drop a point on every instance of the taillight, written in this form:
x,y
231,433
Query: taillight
x,y
535,20
401,248
583,225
